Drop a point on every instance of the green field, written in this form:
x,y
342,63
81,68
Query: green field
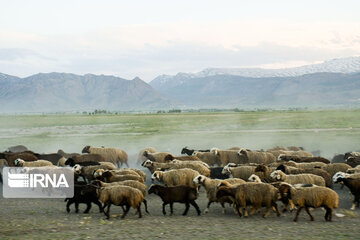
x,y
332,131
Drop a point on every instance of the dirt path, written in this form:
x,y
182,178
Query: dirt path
x,y
47,219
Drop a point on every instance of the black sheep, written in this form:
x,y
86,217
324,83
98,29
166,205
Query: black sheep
x,y
83,194
181,194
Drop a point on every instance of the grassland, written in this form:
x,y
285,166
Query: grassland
x,y
329,131
332,131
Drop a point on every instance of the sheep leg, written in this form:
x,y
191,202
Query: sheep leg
x,y
107,213
276,209
99,205
68,205
252,210
145,203
223,206
76,207
187,206
297,214
171,209
88,207
268,209
207,207
126,211
238,210
196,207
308,212
163,210
245,212
139,210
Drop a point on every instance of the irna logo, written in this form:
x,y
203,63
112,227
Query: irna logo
x,y
19,180
41,182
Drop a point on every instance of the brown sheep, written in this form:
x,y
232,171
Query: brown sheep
x,y
156,157
130,183
208,158
141,157
254,194
111,177
228,156
176,177
11,157
120,196
333,168
314,197
210,186
257,157
298,179
115,155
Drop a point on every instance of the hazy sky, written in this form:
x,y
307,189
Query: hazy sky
x,y
147,38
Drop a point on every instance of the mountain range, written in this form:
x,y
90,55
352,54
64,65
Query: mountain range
x,y
331,83
54,92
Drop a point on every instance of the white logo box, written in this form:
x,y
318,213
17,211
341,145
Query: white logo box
x,y
38,182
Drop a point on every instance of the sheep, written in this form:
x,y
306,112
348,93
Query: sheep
x,y
304,159
228,156
84,158
152,166
115,155
295,153
99,172
156,157
138,171
83,194
170,157
353,183
38,163
112,177
3,163
61,162
195,165
141,158
190,162
278,148
11,157
294,148
208,158
88,171
171,194
353,170
306,165
67,155
210,186
278,163
243,172
176,177
130,183
254,194
120,196
316,171
254,178
216,172
315,196
333,168
264,172
51,157
353,161
351,154
257,157
190,152
17,149
299,178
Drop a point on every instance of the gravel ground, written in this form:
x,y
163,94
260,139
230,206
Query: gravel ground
x,y
47,219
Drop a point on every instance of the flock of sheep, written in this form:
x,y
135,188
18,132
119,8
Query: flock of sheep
x,y
241,177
